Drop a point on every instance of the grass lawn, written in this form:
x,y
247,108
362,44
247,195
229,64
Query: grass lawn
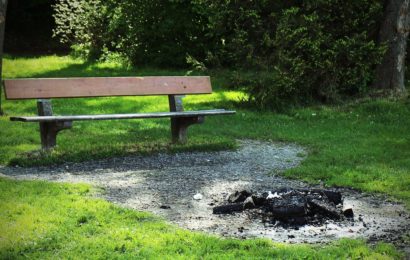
x,y
364,146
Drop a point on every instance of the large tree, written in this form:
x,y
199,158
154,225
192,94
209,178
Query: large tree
x,y
3,8
394,32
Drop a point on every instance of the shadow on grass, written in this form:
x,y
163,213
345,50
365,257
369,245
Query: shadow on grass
x,y
95,69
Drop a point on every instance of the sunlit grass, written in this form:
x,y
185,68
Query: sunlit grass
x,y
14,67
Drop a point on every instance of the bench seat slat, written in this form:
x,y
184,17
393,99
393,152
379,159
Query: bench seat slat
x,y
122,116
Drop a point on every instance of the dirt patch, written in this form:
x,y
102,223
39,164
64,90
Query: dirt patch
x,y
166,184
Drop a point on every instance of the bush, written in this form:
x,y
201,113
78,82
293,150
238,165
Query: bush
x,y
242,32
265,89
153,32
86,25
306,50
162,33
325,52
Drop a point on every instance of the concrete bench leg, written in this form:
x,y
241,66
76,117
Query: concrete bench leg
x,y
49,130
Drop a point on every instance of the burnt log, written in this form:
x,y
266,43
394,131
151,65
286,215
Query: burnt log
x,y
325,208
333,196
249,203
228,209
292,206
259,199
348,213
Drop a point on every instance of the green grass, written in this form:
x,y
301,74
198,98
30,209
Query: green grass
x,y
61,221
364,145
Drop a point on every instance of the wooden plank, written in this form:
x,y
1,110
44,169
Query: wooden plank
x,y
103,87
123,116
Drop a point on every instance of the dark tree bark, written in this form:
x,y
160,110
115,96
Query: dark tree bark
x,y
394,31
3,8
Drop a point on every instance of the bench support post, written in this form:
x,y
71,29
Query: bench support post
x,y
49,130
180,130
179,126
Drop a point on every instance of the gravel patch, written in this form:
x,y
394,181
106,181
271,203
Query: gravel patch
x,y
165,184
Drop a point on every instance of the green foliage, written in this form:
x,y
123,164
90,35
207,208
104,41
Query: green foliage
x,y
324,50
241,32
42,220
266,89
160,33
320,51
307,50
86,25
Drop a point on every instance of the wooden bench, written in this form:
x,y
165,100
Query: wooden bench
x,y
44,89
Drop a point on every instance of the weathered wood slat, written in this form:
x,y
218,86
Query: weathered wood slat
x,y
122,116
106,86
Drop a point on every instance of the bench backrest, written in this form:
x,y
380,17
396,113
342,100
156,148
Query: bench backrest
x,y
44,88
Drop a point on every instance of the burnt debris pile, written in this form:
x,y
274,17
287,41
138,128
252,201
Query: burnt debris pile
x,y
288,206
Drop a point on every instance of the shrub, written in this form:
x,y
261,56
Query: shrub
x,y
305,50
153,32
162,33
87,25
241,32
324,52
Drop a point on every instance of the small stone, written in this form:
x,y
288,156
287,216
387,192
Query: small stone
x,y
164,207
198,196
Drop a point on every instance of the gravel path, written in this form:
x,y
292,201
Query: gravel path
x,y
165,184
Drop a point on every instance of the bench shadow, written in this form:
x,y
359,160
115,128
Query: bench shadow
x,y
94,69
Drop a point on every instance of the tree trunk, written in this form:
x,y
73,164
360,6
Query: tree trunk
x,y
394,32
3,8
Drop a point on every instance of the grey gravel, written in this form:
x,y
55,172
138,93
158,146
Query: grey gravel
x,y
165,184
